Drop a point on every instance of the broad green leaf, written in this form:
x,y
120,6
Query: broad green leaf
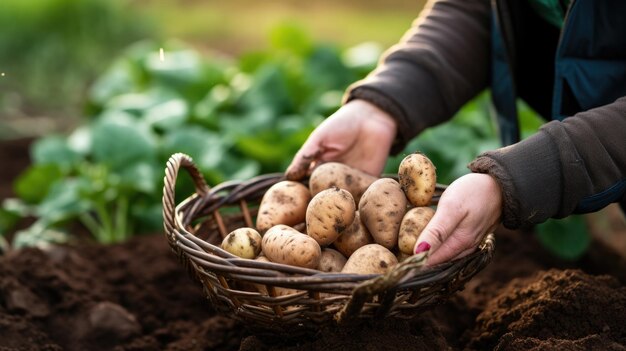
x,y
117,80
269,91
205,147
567,238
33,185
263,147
167,115
179,67
140,177
138,103
122,142
324,70
362,57
54,149
39,236
64,201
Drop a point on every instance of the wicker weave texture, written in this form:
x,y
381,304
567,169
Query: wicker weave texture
x,y
281,297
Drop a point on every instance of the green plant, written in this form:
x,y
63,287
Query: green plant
x,y
236,118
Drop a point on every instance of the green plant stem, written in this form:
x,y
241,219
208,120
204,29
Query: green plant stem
x,y
121,218
105,219
92,225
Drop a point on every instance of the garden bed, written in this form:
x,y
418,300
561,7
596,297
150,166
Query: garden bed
x,y
136,296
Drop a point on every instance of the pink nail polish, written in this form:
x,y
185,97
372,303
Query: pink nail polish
x,y
421,247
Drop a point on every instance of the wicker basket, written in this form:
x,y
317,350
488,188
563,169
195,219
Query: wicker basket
x,y
247,289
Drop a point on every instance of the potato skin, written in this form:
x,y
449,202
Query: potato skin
x,y
370,259
355,236
243,242
413,223
283,203
283,244
418,179
331,261
329,213
381,208
328,175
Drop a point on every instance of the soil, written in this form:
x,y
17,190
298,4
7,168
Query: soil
x,y
137,296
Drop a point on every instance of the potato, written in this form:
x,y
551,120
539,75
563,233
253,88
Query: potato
x,y
283,203
381,208
370,259
414,221
262,288
355,236
331,261
342,176
401,256
417,178
329,213
283,244
243,242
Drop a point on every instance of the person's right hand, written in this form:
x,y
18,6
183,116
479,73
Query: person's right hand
x,y
359,135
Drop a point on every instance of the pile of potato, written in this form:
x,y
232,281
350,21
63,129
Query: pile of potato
x,y
349,221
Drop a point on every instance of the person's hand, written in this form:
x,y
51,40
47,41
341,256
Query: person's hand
x,y
359,135
468,209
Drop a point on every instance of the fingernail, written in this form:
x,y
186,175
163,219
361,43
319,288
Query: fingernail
x,y
423,246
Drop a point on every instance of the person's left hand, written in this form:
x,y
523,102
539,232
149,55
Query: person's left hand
x,y
468,209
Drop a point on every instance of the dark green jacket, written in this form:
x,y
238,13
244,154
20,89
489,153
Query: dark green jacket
x,y
458,48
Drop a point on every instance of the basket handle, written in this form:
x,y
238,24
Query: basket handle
x,y
175,162
385,283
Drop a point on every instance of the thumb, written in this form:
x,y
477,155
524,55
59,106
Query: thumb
x,y
437,231
300,166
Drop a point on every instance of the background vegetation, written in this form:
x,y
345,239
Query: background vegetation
x,y
239,90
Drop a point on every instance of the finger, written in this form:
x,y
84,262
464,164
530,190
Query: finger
x,y
302,163
437,230
465,253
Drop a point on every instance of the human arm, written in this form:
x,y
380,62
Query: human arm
x,y
440,63
574,166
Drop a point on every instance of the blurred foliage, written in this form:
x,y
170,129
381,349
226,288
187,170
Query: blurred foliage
x,y
51,50
236,118
568,238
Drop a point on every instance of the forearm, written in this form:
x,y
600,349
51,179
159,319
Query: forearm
x,y
440,64
574,166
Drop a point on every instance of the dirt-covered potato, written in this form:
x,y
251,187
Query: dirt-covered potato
x,y
417,178
283,244
401,256
370,259
414,221
329,213
381,208
283,203
243,242
331,261
355,236
332,174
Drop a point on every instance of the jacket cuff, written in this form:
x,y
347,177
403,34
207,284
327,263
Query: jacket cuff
x,y
529,174
407,92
